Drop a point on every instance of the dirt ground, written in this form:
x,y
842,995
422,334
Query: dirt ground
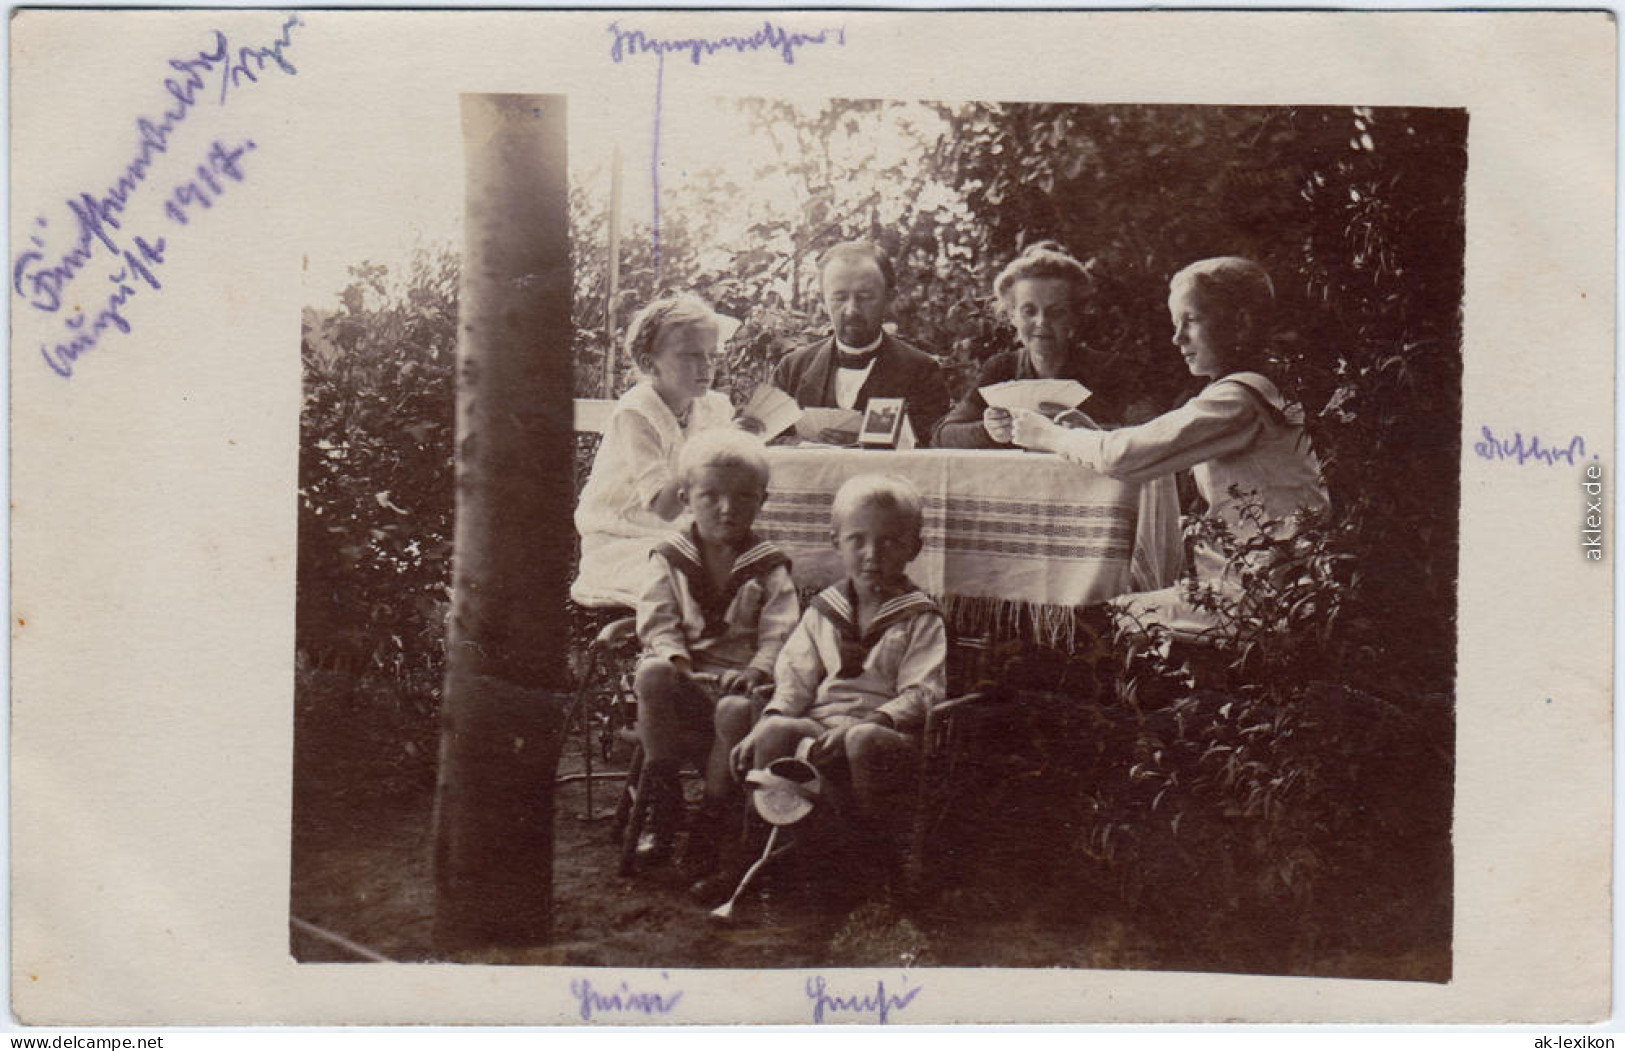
x,y
366,877
361,885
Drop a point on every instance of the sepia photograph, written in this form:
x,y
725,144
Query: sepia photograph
x,y
1174,691
882,420
803,517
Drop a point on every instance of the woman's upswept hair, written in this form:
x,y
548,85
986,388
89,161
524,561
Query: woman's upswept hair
x,y
672,308
1043,259
881,490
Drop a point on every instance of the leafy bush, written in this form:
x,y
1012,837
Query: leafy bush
x,y
1251,794
375,474
1268,826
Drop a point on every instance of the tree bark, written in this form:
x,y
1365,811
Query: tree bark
x,y
504,699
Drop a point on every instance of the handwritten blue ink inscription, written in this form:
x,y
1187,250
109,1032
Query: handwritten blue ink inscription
x,y
96,235
1521,450
622,1000
876,1006
632,42
222,163
636,41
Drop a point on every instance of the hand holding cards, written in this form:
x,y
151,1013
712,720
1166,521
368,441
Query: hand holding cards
x,y
1035,394
829,426
773,409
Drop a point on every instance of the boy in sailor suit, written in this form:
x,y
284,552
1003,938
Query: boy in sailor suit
x,y
718,603
865,663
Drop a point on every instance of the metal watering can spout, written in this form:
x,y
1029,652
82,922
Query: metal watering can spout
x,y
783,794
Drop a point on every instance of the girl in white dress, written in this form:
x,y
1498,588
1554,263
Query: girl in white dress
x,y
1238,432
630,500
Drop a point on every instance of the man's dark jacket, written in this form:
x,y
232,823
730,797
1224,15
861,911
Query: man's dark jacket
x,y
901,371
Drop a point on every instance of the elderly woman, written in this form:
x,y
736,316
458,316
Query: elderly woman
x,y
1239,435
1041,292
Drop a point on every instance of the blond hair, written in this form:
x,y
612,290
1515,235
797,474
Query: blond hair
x,y
669,311
723,447
882,490
1231,285
1241,295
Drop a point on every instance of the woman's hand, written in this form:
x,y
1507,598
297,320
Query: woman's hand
x,y
996,422
741,680
1031,431
749,424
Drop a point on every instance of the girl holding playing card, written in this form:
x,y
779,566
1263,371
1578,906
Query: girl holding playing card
x,y
1242,441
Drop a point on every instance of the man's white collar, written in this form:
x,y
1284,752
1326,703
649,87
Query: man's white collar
x,y
844,349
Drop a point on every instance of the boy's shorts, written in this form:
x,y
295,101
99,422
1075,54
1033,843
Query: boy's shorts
x,y
699,703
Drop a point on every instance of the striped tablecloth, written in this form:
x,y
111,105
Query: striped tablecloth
x,y
1002,528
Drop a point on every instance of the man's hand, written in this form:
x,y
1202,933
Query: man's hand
x,y
836,436
742,680
996,422
1031,431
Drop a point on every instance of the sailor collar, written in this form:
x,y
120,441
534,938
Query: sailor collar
x,y
682,551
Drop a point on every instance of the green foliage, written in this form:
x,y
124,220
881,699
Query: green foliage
x,y
1251,788
1279,621
375,473
1276,824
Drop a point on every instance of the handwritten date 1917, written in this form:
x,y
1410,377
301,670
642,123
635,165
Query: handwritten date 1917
x,y
86,326
221,162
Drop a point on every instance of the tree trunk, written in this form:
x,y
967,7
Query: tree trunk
x,y
503,708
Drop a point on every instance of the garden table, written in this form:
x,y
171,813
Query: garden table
x,y
1006,531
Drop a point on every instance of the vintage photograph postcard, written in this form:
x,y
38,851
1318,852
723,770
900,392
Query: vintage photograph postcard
x,y
811,517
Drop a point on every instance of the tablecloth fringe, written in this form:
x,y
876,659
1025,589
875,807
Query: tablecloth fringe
x,y
969,617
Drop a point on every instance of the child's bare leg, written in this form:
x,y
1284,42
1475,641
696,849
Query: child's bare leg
x,y
733,718
718,822
881,760
660,688
778,737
